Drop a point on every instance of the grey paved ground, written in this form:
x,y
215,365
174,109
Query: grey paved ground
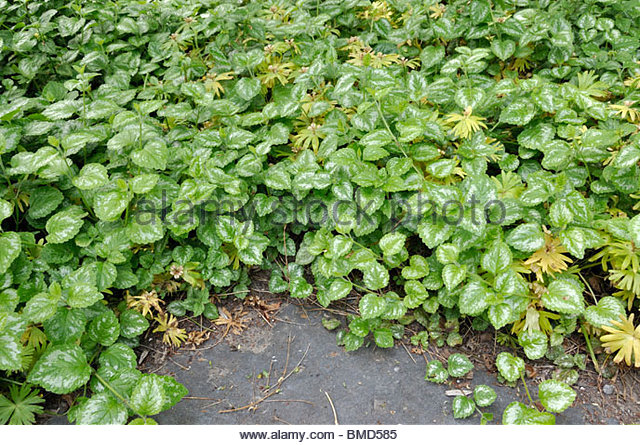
x,y
369,386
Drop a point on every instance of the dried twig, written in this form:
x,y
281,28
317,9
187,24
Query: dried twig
x,y
333,408
271,392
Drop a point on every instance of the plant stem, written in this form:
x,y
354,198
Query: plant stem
x,y
526,388
12,381
395,139
590,349
110,388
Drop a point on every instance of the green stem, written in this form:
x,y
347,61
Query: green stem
x,y
110,388
526,388
590,349
12,381
362,288
386,124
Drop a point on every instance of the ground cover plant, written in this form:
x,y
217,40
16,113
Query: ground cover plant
x,y
449,162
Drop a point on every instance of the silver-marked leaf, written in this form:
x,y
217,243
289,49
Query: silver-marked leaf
x,y
458,365
556,396
484,395
510,367
608,309
91,176
102,409
392,243
519,112
534,343
10,247
436,372
463,407
372,306
64,225
517,413
147,397
61,369
526,237
565,296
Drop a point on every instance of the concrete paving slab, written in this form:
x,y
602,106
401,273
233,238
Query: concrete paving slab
x,y
368,386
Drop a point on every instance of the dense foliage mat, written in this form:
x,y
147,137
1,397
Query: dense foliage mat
x,y
455,162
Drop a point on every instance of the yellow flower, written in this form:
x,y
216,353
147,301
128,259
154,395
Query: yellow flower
x,y
173,335
624,339
144,302
212,82
466,123
626,112
549,258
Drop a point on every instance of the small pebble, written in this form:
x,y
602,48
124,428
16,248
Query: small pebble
x,y
608,389
396,368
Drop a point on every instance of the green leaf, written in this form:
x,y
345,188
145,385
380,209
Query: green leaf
x,y
463,407
61,369
500,315
330,323
474,298
607,310
21,406
447,253
66,326
436,372
503,49
173,391
110,205
565,296
10,343
497,258
10,247
91,177
453,275
634,229
43,201
484,395
105,328
300,288
339,289
119,356
375,275
458,365
132,324
377,138
534,344
372,306
102,409
146,230
83,295
153,155
526,237
144,183
147,397
352,341
519,112
359,327
65,225
6,209
510,367
247,88
383,338
41,307
556,396
143,421
418,268
392,243
416,293
517,413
